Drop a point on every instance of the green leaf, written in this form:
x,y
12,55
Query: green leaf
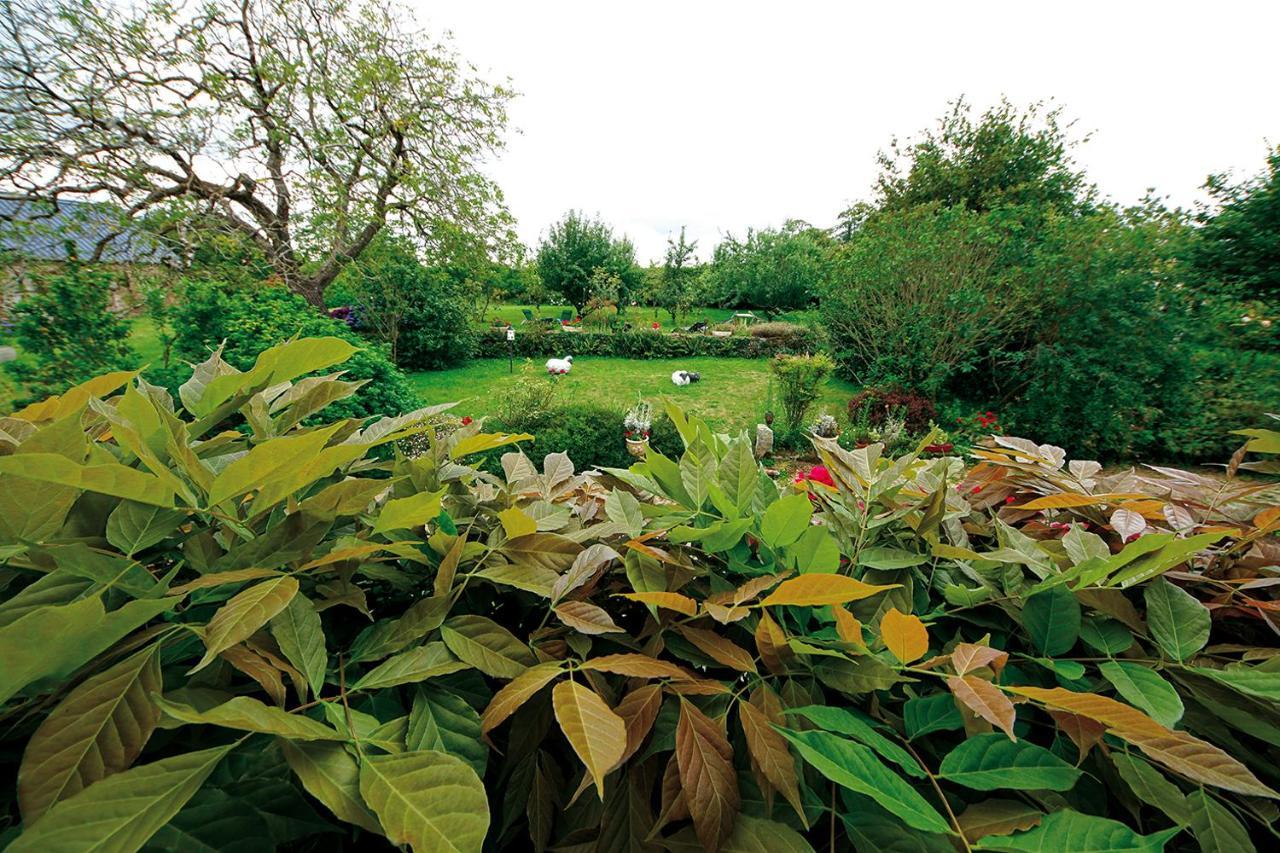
x,y
246,612
264,461
134,527
331,775
845,722
1080,833
750,835
928,714
856,767
122,811
483,441
487,646
623,509
1052,619
300,635
737,475
429,661
816,551
890,558
785,520
108,478
1152,787
428,800
99,729
1216,829
446,723
1172,554
1179,624
249,715
1143,687
1105,635
405,513
1264,684
989,762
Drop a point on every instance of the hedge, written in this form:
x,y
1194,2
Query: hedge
x,y
643,345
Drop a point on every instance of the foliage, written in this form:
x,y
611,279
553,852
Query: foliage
x,y
644,343
799,381
423,314
772,270
875,405
335,131
269,634
1237,247
247,321
572,252
68,332
676,286
918,297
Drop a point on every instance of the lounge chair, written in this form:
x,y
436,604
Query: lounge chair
x,y
566,315
528,315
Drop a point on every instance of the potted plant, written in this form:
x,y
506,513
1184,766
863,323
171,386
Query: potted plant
x,y
636,428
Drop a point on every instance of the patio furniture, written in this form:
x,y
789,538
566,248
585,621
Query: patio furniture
x,y
566,315
528,315
745,318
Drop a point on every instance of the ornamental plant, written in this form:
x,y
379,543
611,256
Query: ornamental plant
x,y
222,627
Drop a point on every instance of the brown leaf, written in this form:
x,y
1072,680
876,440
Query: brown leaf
x,y
904,635
596,733
725,615
705,761
638,710
637,666
770,753
1083,732
985,700
771,643
586,618
716,647
256,667
516,693
996,817
967,657
670,600
673,805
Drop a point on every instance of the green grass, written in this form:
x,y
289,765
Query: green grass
x,y
731,396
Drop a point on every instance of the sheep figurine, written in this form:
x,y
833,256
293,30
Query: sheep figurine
x,y
684,377
559,366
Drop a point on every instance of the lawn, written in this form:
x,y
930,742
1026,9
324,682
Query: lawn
x,y
732,394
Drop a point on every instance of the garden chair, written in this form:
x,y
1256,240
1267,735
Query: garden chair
x,y
528,315
566,315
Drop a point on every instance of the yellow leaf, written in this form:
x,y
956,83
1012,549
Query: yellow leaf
x,y
517,523
985,700
815,590
518,691
637,666
705,761
596,733
904,635
719,649
1268,518
670,600
244,614
847,626
771,644
1066,500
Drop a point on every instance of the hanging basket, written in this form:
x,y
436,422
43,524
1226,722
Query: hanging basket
x,y
638,447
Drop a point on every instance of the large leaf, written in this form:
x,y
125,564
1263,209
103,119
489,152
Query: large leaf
x,y
845,722
1179,623
244,614
249,715
1142,686
298,631
785,520
99,729
1152,787
404,513
1215,827
904,635
856,767
704,759
428,800
121,812
517,692
108,478
331,775
816,590
1052,619
1081,833
984,699
430,661
596,733
1259,682
487,646
770,753
446,723
989,762
134,527
750,835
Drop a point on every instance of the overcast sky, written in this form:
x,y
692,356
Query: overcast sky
x,y
724,115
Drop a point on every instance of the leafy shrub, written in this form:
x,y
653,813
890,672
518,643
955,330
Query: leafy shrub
x,y
1233,388
642,342
782,333
277,636
873,405
771,270
67,332
799,379
251,319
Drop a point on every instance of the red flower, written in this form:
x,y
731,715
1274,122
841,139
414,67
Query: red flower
x,y
976,489
1010,499
657,325
466,421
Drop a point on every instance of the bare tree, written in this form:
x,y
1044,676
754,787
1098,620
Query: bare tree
x,y
305,126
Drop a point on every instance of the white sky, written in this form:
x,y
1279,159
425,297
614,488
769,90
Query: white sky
x,y
724,115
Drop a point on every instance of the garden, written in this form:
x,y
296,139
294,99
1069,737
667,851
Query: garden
x,y
951,524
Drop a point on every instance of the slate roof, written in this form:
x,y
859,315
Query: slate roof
x,y
30,230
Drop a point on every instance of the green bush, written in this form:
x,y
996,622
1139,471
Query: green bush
x,y
250,319
533,343
799,379
1233,389
67,332
591,435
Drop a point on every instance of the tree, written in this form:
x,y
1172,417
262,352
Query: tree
x,y
574,249
771,270
1237,250
679,273
304,126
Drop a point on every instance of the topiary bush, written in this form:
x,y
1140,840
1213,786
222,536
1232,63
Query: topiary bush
x,y
248,320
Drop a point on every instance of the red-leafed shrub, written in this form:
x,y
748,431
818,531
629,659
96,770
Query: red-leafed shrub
x,y
873,405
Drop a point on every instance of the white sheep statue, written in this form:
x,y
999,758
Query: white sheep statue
x,y
684,377
559,366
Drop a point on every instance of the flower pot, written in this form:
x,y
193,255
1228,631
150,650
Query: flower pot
x,y
638,447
